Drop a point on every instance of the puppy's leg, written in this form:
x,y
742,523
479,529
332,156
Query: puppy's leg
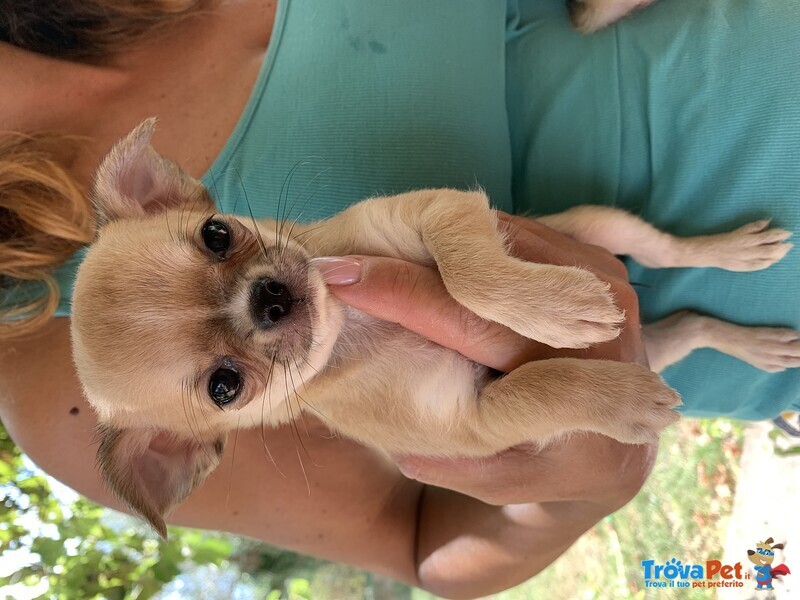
x,y
560,306
590,15
537,402
544,398
669,340
749,248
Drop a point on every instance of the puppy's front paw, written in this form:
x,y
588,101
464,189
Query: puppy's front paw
x,y
563,307
588,16
578,312
643,412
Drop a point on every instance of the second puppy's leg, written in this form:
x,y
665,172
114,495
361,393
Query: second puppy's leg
x,y
749,248
669,340
590,15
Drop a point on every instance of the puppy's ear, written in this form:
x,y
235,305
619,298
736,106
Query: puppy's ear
x,y
134,180
152,471
779,546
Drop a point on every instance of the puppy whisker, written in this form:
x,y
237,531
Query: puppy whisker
x,y
312,367
216,190
288,236
233,460
303,400
192,422
305,202
284,186
268,453
259,237
266,395
306,232
317,232
300,410
296,433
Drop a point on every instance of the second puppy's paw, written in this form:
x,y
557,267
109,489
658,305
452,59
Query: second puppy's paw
x,y
588,16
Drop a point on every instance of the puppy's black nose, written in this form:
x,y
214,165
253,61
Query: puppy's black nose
x,y
271,302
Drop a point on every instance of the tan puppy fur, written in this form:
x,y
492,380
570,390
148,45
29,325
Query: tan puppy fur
x,y
589,16
158,315
160,318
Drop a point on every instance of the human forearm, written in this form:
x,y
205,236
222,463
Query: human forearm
x,y
467,548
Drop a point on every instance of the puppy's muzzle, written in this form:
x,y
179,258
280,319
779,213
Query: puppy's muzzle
x,y
270,301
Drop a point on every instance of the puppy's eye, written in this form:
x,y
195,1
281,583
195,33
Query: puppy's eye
x,y
216,237
224,385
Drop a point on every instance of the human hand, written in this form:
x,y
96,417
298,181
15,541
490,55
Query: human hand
x,y
415,297
586,468
594,473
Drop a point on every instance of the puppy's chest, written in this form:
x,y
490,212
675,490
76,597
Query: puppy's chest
x,y
376,359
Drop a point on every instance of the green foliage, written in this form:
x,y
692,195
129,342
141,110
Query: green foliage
x,y
77,551
85,551
682,511
296,589
783,444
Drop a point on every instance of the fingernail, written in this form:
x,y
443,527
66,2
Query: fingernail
x,y
338,270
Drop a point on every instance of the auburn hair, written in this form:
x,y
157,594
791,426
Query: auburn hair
x,y
45,216
86,30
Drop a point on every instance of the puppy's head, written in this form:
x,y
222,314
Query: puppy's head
x,y
186,324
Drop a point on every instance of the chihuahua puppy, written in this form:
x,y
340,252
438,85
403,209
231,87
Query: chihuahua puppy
x,y
187,324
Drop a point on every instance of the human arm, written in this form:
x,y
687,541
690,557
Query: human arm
x,y
356,508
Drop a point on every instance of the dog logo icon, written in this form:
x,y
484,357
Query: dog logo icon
x,y
762,557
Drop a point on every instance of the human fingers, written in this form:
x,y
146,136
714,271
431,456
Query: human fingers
x,y
586,467
534,241
415,297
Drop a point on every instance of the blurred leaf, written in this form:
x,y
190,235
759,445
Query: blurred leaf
x,y
166,570
299,588
89,559
49,550
210,550
794,450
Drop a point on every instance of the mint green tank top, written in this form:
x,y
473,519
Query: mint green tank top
x,y
686,113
